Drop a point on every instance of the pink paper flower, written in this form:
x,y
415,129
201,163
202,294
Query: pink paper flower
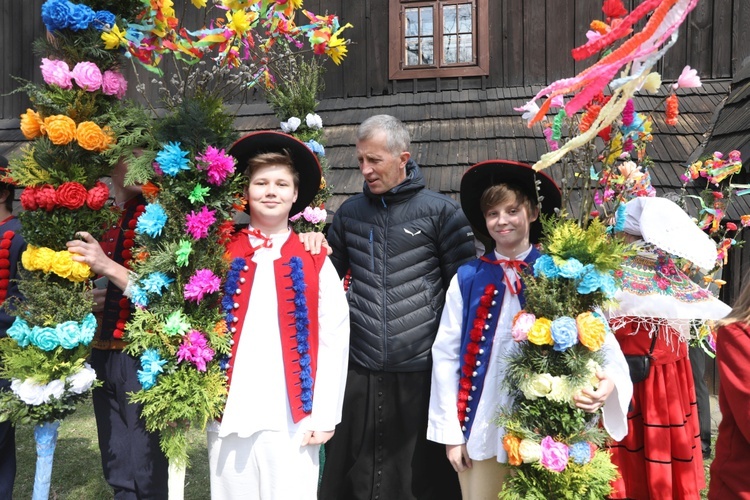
x,y
522,323
197,224
217,164
688,79
314,215
87,76
56,73
530,110
195,350
554,454
113,83
203,282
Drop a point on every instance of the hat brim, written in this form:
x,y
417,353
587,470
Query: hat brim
x,y
489,173
305,161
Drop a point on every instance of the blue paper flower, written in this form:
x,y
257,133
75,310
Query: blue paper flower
x,y
20,331
546,266
580,452
564,333
87,330
151,221
316,147
81,16
56,14
590,280
104,19
68,334
172,159
608,285
152,366
45,338
138,296
571,269
155,282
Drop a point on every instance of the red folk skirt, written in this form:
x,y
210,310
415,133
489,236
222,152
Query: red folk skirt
x,y
660,458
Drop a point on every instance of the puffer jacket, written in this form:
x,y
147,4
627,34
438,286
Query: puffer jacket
x,y
402,247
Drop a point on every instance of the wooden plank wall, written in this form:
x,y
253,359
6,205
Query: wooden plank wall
x,y
530,42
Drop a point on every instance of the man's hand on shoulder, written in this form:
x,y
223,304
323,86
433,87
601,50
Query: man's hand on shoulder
x,y
314,242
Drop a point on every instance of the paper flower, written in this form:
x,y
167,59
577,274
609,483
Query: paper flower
x,y
545,266
554,454
114,83
138,296
316,147
580,452
87,75
152,365
60,129
82,380
93,138
97,196
203,282
540,333
55,14
57,73
530,451
313,215
688,79
19,331
152,220
182,254
28,391
103,20
195,350
81,16
591,330
217,164
291,125
590,279
198,194
197,224
176,324
522,323
171,159
571,268
530,110
538,386
156,282
564,333
314,121
31,124
511,446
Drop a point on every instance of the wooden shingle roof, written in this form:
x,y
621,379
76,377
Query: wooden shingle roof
x,y
452,130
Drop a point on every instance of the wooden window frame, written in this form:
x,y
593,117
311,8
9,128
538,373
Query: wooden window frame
x,y
396,69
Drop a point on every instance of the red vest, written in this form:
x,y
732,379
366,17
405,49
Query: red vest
x,y
240,247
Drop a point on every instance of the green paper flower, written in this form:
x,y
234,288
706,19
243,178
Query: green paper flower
x,y
176,324
198,194
183,253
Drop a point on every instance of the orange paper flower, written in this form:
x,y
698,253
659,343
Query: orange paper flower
x,y
31,124
673,109
511,445
60,129
150,190
92,138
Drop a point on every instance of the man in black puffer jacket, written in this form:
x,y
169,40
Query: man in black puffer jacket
x,y
401,244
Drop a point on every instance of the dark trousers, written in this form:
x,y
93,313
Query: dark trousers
x,y
380,449
698,362
7,459
133,464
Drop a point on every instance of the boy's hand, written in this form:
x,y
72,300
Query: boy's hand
x,y
590,400
314,242
316,437
458,456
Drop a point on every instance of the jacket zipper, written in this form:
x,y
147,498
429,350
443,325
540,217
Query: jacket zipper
x,y
372,251
385,298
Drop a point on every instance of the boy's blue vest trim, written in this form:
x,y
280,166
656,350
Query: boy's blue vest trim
x,y
473,277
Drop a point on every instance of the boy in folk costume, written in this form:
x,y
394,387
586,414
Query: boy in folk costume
x,y
289,358
500,200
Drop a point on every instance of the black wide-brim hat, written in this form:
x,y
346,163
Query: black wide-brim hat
x,y
489,173
305,161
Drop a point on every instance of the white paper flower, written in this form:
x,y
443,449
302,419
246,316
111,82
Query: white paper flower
x,y
538,386
530,451
54,389
82,381
291,125
28,391
314,121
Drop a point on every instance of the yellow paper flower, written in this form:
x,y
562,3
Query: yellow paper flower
x,y
652,83
62,264
91,137
591,330
238,21
511,444
541,332
336,48
114,38
30,124
60,129
199,4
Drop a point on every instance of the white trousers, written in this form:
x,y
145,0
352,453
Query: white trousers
x,y
268,465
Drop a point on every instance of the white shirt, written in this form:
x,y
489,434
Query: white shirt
x,y
258,399
486,438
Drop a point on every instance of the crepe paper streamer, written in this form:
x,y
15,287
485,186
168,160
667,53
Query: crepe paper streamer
x,y
45,436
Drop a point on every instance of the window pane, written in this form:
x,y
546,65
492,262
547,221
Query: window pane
x,y
465,49
425,26
464,18
449,49
412,51
426,47
412,22
449,19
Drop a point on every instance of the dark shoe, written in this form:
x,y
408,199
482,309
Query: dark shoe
x,y
706,454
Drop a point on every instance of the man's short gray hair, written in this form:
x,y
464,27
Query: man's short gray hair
x,y
397,137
